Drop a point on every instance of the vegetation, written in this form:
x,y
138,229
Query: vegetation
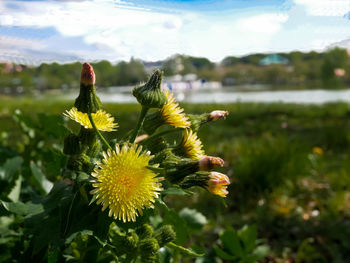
x,y
304,70
288,164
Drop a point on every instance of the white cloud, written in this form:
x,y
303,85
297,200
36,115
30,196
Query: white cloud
x,y
325,7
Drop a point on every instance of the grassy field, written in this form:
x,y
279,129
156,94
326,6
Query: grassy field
x,y
289,166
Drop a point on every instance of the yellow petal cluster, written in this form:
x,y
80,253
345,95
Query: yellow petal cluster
x,y
172,114
103,120
124,184
192,145
218,183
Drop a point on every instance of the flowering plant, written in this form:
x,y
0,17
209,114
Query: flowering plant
x,y
126,177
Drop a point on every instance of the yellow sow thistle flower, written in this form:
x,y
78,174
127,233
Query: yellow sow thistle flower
x,y
218,183
173,114
124,184
192,145
102,119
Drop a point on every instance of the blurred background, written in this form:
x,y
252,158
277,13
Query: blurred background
x,y
280,67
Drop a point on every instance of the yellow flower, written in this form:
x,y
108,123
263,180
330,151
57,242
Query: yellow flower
x,y
192,145
173,114
218,183
102,119
317,150
124,184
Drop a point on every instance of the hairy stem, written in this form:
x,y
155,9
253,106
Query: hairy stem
x,y
98,132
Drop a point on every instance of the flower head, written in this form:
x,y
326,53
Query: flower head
x,y
218,183
192,145
87,74
173,114
124,184
317,150
102,119
217,115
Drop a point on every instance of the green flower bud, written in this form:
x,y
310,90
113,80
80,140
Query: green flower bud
x,y
152,122
155,145
197,120
176,171
145,231
87,136
94,149
79,163
87,101
131,241
148,247
72,145
165,234
151,94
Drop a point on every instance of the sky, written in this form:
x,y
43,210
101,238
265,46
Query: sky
x,y
32,32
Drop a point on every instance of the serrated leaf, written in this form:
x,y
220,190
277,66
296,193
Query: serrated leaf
x,y
231,242
184,251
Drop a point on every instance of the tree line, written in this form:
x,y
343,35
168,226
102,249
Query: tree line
x,y
330,69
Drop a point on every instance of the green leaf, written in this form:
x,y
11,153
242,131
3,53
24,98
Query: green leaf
x,y
248,234
222,254
193,218
231,242
44,184
22,209
15,192
184,251
261,251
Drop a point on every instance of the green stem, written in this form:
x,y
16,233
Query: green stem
x,y
139,123
160,134
98,132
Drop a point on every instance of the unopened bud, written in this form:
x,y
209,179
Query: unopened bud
x,y
165,234
72,145
145,231
217,115
151,94
217,184
87,74
208,163
87,101
148,247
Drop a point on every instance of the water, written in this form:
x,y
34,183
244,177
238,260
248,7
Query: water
x,y
229,95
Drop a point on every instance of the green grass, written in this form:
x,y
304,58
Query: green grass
x,y
278,182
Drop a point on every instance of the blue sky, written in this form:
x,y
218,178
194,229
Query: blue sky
x,y
32,32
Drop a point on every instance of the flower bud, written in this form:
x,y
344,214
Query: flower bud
x,y
94,149
145,231
80,163
208,163
151,94
72,145
87,76
165,234
217,184
217,115
87,136
148,247
87,101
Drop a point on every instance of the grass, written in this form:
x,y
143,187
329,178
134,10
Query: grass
x,y
297,194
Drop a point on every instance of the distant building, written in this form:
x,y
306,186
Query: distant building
x,y
273,59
